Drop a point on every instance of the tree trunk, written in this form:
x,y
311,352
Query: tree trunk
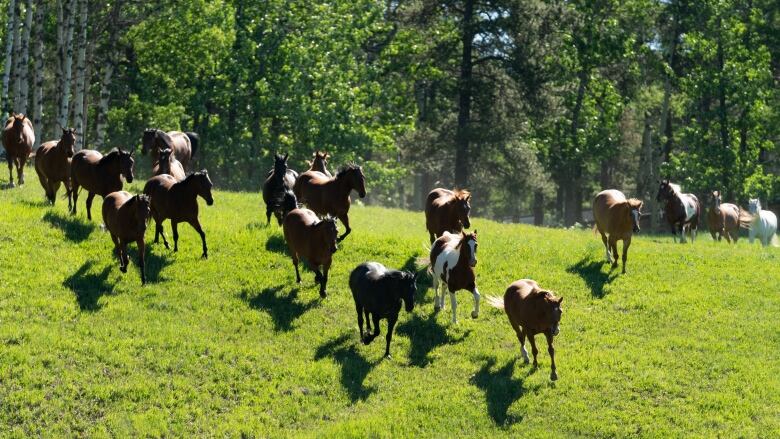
x,y
538,208
573,198
38,84
9,50
79,117
16,80
67,62
463,137
24,72
104,102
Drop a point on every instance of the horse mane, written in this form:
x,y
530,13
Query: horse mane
x,y
164,137
635,203
675,187
347,168
461,194
398,275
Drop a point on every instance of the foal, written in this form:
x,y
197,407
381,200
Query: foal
x,y
453,258
52,164
447,211
126,217
167,164
313,240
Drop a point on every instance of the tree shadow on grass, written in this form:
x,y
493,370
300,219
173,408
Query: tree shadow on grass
x,y
590,271
154,262
75,229
501,390
88,288
425,335
354,368
284,309
36,204
276,244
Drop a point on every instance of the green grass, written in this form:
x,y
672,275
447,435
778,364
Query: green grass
x,y
686,344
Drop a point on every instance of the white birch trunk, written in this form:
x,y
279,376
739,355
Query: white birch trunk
x,y
78,99
105,98
16,79
24,71
38,84
9,50
67,62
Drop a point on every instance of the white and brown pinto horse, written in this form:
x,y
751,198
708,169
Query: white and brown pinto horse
x,y
617,217
682,211
764,225
453,258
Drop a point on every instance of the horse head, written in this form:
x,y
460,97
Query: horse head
x,y
408,289
665,190
754,205
68,141
470,241
635,210
288,202
280,165
203,185
143,210
551,308
18,125
329,232
354,175
320,161
147,141
716,199
463,207
126,164
165,155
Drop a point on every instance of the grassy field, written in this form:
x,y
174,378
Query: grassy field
x,y
686,344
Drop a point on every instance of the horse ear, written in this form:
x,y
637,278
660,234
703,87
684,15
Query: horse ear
x,y
287,154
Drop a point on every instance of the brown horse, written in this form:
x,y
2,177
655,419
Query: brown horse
x,y
178,201
313,240
531,310
619,218
281,179
447,211
453,258
725,219
52,164
682,211
126,217
183,145
319,163
18,140
100,175
167,164
330,195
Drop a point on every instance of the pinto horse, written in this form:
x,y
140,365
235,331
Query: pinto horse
x,y
52,164
18,140
725,219
167,164
126,217
682,211
617,217
178,201
531,310
319,163
378,292
313,240
280,180
99,174
764,224
453,258
447,211
330,195
184,145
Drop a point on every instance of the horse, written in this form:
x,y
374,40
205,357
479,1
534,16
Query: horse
x,y
330,195
312,239
280,180
447,211
167,164
764,224
378,293
725,219
184,145
100,175
617,217
682,211
52,164
453,258
178,201
126,217
18,140
531,310
319,163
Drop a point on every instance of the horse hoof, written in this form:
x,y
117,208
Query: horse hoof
x,y
436,308
553,376
323,294
123,269
474,314
204,256
388,356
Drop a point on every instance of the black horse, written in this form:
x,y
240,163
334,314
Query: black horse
x,y
378,291
280,180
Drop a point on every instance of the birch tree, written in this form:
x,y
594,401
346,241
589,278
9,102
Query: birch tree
x,y
17,52
66,59
78,109
24,69
40,8
9,49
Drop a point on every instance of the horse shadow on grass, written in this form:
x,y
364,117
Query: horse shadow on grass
x,y
590,271
75,230
424,282
354,368
501,390
276,244
426,334
154,262
89,287
284,309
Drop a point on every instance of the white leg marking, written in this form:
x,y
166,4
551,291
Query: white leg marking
x,y
454,304
524,353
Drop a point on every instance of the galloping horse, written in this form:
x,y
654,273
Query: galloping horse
x,y
280,180
330,196
617,217
18,140
764,225
682,210
447,211
100,175
126,217
725,219
313,240
167,164
319,163
52,164
184,145
453,258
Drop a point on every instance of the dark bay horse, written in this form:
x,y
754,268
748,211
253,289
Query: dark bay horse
x,y
126,217
725,219
531,310
184,145
447,211
453,258
682,211
617,217
18,140
312,239
52,164
330,196
378,293
280,180
178,201
319,163
167,164
99,174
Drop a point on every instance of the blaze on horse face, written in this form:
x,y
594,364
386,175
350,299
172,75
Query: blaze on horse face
x,y
636,213
464,208
471,240
126,163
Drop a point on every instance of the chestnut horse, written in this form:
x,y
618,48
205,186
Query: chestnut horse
x,y
126,217
453,258
313,240
178,201
319,163
184,145
617,217
330,195
447,211
52,164
99,174
18,140
280,180
682,211
531,310
725,219
167,164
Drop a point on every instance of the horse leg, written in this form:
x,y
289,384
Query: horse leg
x,y
368,322
551,351
74,193
432,236
626,244
141,251
390,325
682,233
196,225
375,318
521,339
613,250
90,197
54,187
606,245
21,162
324,283
175,228
436,305
123,256
158,231
534,351
10,171
359,310
674,231
344,220
454,304
295,263
475,293
116,248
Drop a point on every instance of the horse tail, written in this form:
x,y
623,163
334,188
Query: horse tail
x,y
194,142
495,302
745,219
